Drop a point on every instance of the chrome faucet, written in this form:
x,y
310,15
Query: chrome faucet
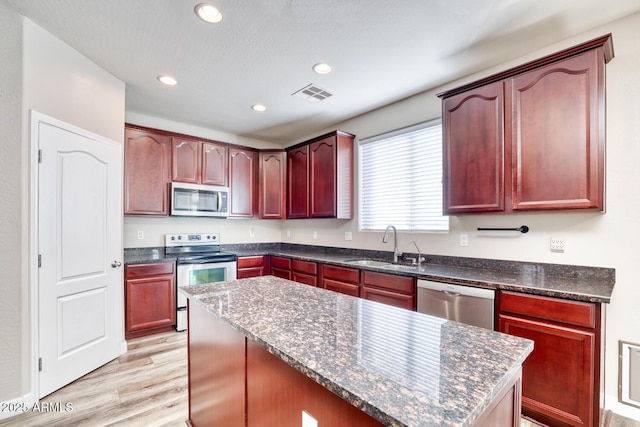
x,y
385,239
420,258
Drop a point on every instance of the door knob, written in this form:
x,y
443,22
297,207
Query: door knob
x,y
116,264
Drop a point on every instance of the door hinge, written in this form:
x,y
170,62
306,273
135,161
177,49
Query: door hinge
x,y
39,260
39,364
39,156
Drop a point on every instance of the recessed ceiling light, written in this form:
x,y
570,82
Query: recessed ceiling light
x,y
322,68
258,107
208,13
168,80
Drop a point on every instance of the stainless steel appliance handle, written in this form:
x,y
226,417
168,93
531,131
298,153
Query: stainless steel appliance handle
x,y
452,294
219,200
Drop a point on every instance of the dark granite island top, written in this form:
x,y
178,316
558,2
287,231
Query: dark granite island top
x,y
400,367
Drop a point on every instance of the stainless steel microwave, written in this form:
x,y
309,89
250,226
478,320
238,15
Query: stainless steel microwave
x,y
199,200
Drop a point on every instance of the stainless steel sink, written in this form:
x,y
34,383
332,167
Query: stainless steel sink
x,y
368,262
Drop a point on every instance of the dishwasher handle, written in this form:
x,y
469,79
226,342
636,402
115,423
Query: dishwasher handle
x,y
457,290
451,294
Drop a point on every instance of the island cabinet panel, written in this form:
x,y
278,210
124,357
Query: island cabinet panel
x,y
147,163
272,184
298,182
561,378
281,267
252,266
341,279
216,371
242,182
530,138
304,272
150,299
399,291
277,394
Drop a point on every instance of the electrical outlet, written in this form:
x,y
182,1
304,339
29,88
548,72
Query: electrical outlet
x,y
557,245
315,234
252,232
140,234
288,233
348,235
464,240
308,420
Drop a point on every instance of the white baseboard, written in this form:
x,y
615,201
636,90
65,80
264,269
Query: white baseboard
x,y
11,408
123,347
611,403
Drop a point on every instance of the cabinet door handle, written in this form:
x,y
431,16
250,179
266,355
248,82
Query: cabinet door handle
x,y
116,264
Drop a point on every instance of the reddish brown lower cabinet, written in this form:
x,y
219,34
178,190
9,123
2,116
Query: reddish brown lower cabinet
x,y
399,291
281,267
252,266
341,279
304,272
150,298
561,378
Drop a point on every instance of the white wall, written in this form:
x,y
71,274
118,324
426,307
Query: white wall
x,y
59,82
11,331
592,239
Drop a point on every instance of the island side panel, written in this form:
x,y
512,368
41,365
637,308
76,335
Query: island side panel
x,y
216,371
277,394
505,408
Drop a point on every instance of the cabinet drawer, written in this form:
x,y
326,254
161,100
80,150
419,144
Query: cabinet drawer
x,y
341,273
280,262
343,288
390,298
304,266
152,269
307,279
390,282
553,309
245,273
278,272
250,261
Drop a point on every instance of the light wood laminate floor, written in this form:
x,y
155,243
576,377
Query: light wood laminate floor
x,y
147,386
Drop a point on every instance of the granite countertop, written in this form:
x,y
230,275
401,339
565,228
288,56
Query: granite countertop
x,y
591,284
401,367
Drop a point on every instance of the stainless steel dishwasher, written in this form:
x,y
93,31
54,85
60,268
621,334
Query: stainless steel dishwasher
x,y
465,304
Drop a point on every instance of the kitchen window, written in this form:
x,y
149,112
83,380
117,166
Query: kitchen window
x,y
400,179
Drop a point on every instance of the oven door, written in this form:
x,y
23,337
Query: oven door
x,y
198,274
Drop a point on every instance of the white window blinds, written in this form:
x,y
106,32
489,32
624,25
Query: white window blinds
x,y
401,180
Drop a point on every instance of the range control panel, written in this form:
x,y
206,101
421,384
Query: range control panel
x,y
191,239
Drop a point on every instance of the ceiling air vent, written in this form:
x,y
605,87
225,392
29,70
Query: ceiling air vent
x,y
312,93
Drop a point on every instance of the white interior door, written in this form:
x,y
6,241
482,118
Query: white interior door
x,y
79,237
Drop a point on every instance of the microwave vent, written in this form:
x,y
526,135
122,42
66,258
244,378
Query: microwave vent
x,y
312,93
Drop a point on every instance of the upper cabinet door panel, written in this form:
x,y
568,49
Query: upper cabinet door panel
x,y
322,178
214,164
298,182
185,164
242,182
558,135
474,150
147,158
273,178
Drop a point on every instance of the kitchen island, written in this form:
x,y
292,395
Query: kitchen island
x,y
263,350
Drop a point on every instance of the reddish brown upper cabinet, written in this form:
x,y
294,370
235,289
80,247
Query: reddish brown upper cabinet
x,y
272,184
198,162
242,182
147,161
530,138
298,182
150,298
561,378
325,188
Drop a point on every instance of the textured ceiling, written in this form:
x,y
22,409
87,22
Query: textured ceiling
x,y
263,51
